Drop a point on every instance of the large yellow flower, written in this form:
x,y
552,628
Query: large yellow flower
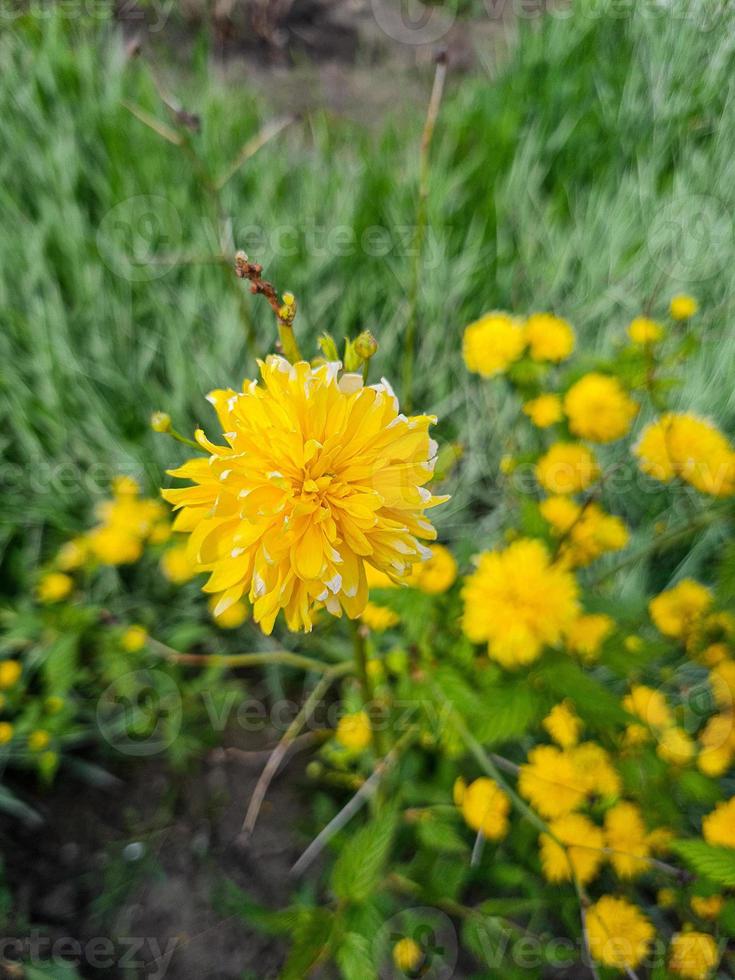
x,y
518,601
320,476
484,806
619,933
491,344
692,449
677,611
582,852
694,955
599,408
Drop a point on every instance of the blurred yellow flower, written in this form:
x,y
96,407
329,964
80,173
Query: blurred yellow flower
x,y
71,555
692,449
718,827
379,618
650,706
675,746
676,611
587,633
320,476
114,545
550,338
6,732
124,486
407,955
694,955
666,898
584,850
10,671
599,408
484,807
643,330
619,933
717,739
707,907
722,682
491,344
551,782
437,573
354,731
53,587
567,467
231,617
587,531
177,566
683,306
626,839
597,775
160,422
134,639
518,601
39,740
544,410
563,725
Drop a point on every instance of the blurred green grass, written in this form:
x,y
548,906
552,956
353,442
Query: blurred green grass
x,y
591,174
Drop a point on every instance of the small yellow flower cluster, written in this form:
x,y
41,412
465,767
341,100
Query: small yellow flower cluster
x,y
694,955
586,635
682,446
127,521
599,408
619,934
678,611
497,340
518,601
656,719
354,731
585,531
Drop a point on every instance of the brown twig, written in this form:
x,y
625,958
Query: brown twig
x,y
285,312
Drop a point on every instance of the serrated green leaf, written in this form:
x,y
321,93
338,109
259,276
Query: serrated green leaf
x,y
595,705
438,835
359,867
354,957
508,712
715,863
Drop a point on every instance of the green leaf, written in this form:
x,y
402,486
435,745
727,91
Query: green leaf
x,y
353,957
311,938
61,664
595,705
715,863
438,835
508,712
359,867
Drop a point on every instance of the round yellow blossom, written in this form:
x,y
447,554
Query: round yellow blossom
x,y
551,781
437,573
134,639
598,777
544,410
53,587
619,933
518,602
636,735
567,467
71,555
718,827
599,408
677,611
484,807
722,682
707,906
550,338
715,762
587,531
584,850
563,725
160,533
320,476
407,955
633,644
354,731
627,841
379,618
177,566
231,617
10,671
659,840
125,486
675,746
491,344
717,739
113,545
587,633
6,732
694,955
690,448
650,706
683,306
642,330
161,422
39,740
714,654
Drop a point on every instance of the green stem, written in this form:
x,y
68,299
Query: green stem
x,y
261,659
183,439
368,692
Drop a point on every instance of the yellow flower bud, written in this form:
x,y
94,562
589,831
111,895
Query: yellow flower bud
x,y
365,345
161,422
6,732
38,740
407,954
10,671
